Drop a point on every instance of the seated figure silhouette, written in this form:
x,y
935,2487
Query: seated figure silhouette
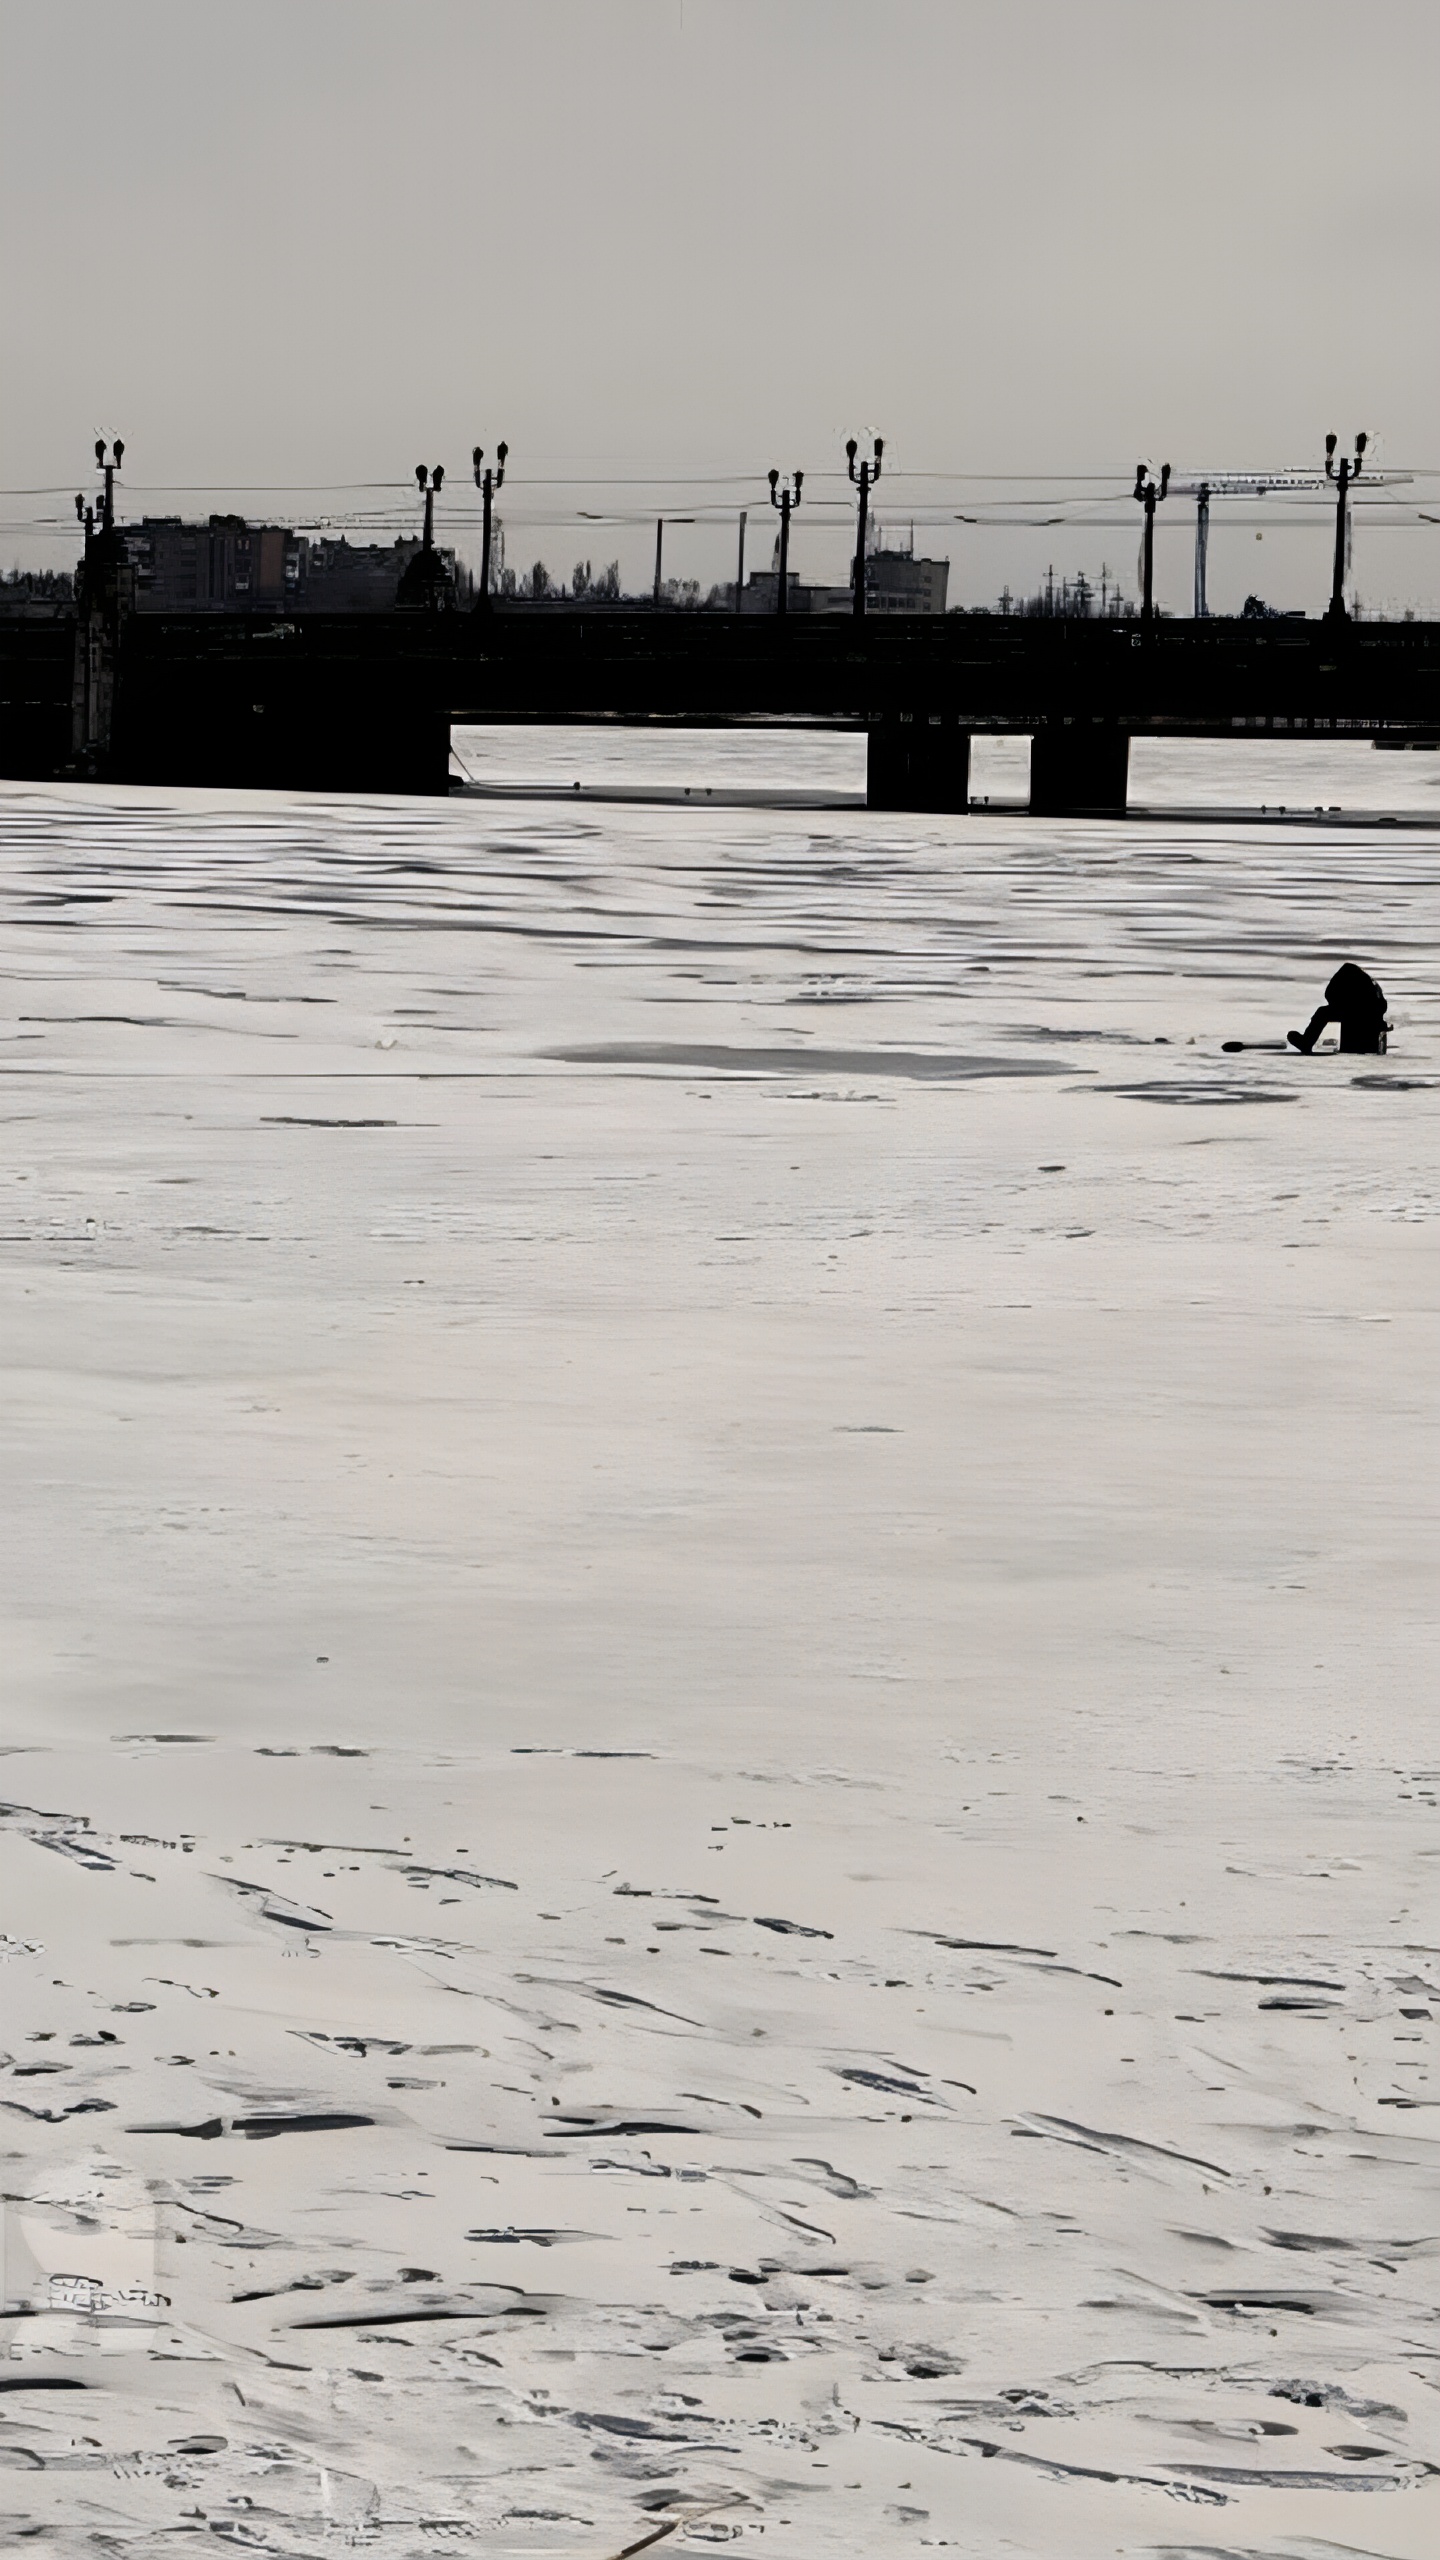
x,y
1354,1000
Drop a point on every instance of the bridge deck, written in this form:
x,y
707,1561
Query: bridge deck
x,y
366,700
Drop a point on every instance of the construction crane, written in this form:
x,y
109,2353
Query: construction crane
x,y
1234,484
1254,484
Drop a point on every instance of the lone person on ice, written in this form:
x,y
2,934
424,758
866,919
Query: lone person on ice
x,y
1354,1001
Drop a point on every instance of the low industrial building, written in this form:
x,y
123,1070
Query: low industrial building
x,y
895,582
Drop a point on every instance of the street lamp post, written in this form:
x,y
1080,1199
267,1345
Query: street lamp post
x,y
110,467
487,482
1148,493
783,500
426,585
864,479
1342,473
429,484
104,595
108,459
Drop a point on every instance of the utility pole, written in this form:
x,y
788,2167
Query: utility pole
x,y
659,543
864,479
1342,474
1202,546
783,500
487,482
740,564
1148,494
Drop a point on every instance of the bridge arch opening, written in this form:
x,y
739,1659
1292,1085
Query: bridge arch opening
x,y
736,765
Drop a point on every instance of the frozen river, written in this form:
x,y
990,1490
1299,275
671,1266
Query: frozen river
x,y
597,1389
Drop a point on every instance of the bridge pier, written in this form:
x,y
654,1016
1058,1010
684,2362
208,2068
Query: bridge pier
x,y
266,731
917,760
1079,769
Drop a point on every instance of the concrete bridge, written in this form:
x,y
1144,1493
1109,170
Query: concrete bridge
x,y
365,702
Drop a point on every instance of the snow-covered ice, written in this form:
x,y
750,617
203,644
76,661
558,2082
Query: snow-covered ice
x,y
592,1392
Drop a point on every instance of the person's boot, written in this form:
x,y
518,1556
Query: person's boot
x,y
1301,1040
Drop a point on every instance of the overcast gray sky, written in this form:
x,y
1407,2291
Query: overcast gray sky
x,y
316,241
